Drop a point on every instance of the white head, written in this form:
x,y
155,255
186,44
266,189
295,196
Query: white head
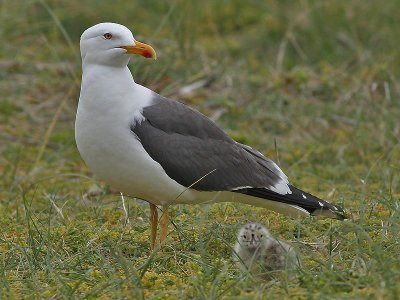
x,y
109,44
252,235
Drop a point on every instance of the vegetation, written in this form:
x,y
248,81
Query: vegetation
x,y
312,84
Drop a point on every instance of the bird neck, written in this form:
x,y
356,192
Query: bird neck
x,y
105,83
112,74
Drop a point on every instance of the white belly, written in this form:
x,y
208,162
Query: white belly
x,y
115,155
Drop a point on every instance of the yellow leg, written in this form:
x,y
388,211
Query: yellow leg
x,y
153,224
164,225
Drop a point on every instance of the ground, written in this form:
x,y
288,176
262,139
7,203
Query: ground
x,y
312,84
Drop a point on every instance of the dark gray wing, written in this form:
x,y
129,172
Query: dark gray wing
x,y
195,152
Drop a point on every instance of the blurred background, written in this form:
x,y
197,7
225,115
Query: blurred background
x,y
314,85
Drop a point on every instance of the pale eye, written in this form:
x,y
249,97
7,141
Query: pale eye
x,y
107,35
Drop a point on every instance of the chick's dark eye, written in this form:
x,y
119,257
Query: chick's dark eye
x,y
108,35
244,237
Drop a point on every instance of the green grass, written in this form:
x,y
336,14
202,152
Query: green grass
x,y
312,84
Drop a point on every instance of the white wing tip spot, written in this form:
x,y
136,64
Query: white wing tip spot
x,y
320,203
304,196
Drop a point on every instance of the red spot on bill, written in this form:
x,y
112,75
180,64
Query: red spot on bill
x,y
147,54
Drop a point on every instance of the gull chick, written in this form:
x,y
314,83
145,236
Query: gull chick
x,y
258,252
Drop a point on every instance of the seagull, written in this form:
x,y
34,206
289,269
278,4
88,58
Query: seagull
x,y
164,152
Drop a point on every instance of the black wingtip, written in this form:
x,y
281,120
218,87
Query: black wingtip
x,y
314,205
336,213
322,208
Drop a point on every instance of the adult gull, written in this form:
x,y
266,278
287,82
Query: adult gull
x,y
162,151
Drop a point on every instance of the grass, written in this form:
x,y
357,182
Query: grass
x,y
312,84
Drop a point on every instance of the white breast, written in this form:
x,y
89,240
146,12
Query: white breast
x,y
106,110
